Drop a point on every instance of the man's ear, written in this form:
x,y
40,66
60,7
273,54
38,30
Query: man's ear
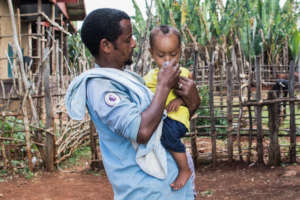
x,y
105,45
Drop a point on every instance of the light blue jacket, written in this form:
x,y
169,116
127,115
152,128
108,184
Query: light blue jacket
x,y
115,101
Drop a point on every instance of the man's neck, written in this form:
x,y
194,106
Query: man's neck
x,y
105,64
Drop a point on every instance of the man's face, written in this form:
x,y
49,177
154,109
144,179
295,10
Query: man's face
x,y
124,45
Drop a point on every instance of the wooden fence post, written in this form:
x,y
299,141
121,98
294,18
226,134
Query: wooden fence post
x,y
259,137
95,158
292,114
250,115
274,123
194,121
194,143
237,60
50,139
229,112
212,113
3,150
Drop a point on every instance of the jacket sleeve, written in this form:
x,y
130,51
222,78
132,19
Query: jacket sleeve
x,y
113,106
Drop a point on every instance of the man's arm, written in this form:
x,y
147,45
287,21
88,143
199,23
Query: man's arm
x,y
167,79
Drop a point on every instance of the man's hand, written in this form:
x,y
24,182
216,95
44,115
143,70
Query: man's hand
x,y
187,90
174,105
168,75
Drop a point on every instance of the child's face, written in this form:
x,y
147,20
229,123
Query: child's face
x,y
165,48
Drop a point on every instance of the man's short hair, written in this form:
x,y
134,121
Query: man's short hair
x,y
99,24
164,29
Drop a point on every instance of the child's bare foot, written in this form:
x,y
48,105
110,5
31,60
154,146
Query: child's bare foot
x,y
182,178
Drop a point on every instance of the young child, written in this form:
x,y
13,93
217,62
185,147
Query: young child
x,y
165,46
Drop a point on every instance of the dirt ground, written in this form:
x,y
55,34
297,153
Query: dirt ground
x,y
233,182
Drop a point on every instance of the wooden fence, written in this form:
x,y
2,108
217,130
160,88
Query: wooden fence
x,y
34,127
243,114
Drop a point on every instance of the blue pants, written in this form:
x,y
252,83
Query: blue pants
x,y
172,131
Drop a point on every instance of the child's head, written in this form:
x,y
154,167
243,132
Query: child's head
x,y
165,44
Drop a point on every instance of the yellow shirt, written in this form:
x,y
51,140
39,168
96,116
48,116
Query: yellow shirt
x,y
182,114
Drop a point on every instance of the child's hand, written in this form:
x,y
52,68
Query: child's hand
x,y
174,105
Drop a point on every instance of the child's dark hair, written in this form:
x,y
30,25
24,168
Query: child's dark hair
x,y
99,24
165,29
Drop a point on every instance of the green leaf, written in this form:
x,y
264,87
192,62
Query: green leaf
x,y
138,16
295,44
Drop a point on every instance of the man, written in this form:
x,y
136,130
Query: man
x,y
122,109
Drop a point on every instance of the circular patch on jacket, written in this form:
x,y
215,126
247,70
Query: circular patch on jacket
x,y
111,99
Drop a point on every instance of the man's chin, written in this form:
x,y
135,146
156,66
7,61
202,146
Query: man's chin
x,y
128,62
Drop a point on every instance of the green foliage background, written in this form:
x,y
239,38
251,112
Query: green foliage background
x,y
261,25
